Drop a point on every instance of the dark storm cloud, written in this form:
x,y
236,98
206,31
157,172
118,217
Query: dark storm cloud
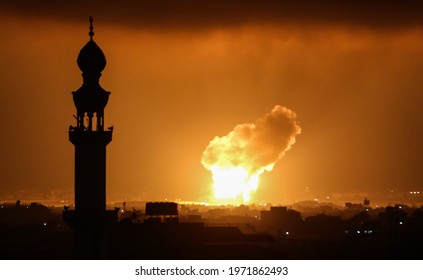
x,y
189,14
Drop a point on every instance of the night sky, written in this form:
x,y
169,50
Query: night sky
x,y
182,72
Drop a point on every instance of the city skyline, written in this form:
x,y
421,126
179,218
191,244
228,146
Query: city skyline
x,y
179,80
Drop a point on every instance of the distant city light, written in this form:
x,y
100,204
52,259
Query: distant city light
x,y
358,231
400,223
287,233
45,224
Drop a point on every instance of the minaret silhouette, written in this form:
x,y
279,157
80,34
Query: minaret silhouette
x,y
90,218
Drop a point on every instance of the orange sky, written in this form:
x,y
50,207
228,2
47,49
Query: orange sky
x,y
356,88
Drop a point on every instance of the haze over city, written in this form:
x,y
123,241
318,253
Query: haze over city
x,y
181,74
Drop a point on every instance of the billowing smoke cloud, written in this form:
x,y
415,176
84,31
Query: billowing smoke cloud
x,y
256,147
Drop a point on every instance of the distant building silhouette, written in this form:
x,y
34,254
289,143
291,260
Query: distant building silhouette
x,y
281,220
161,212
366,202
90,139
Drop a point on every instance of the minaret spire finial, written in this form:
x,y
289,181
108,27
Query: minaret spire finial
x,y
91,28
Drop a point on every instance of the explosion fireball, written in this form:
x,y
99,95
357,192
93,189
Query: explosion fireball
x,y
238,159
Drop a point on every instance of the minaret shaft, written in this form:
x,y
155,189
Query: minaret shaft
x,y
90,170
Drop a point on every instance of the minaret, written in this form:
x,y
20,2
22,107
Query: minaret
x,y
90,139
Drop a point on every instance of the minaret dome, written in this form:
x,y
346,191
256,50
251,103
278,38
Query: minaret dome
x,y
91,58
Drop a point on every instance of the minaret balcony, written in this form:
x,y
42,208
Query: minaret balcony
x,y
88,137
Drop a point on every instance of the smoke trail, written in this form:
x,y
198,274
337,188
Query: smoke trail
x,y
253,148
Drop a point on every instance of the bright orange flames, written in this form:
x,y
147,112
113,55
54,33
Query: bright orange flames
x,y
234,184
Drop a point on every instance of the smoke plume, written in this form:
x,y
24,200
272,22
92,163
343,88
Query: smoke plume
x,y
254,147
